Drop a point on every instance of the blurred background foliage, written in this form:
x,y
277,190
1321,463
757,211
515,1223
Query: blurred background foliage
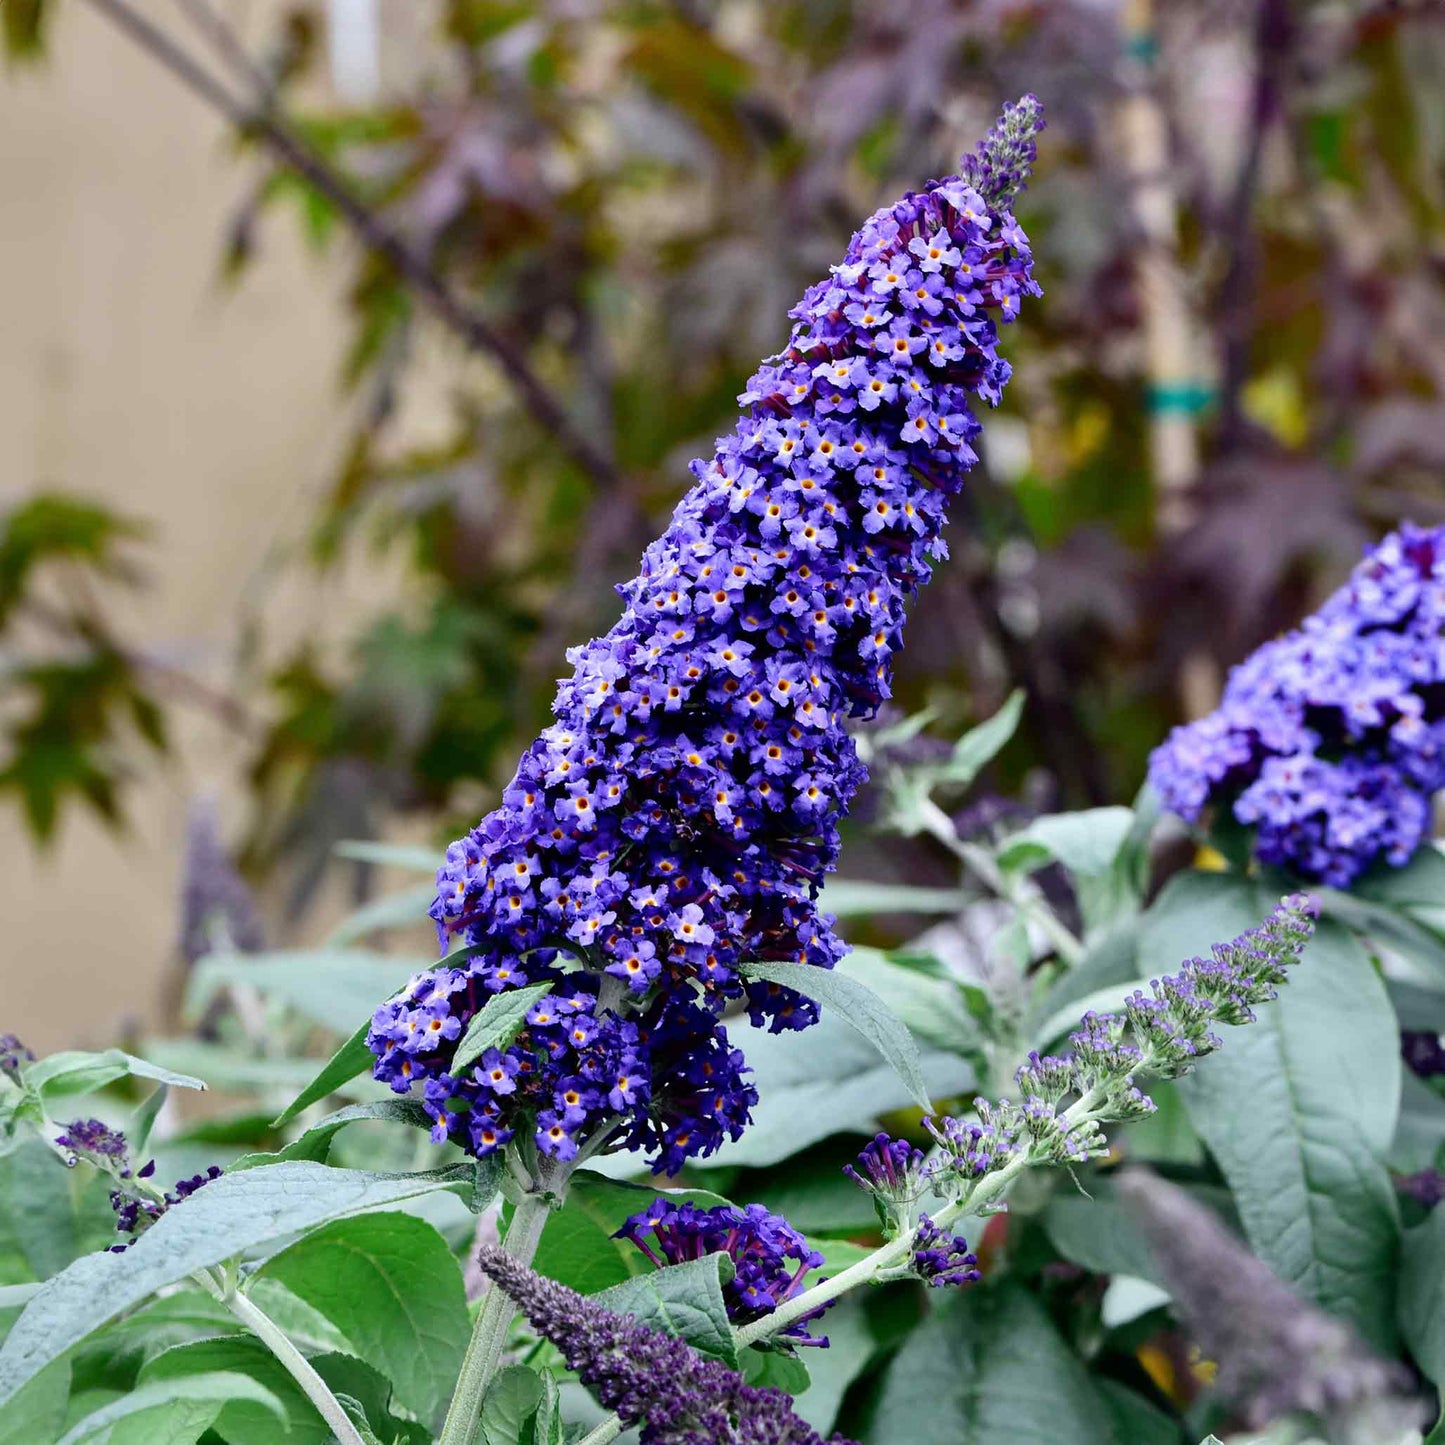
x,y
1235,378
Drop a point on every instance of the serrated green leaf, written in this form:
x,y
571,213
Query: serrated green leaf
x,y
497,1023
685,1300
177,1412
233,1214
859,1007
351,1059
391,1285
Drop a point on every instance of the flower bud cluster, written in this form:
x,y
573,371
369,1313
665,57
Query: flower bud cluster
x,y
769,1257
13,1057
677,819
1066,1098
941,1258
891,1170
1330,741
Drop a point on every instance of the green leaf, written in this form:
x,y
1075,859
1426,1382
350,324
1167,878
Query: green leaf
x,y
851,898
391,1285
337,988
988,1367
351,1059
510,1405
177,1412
578,1248
391,855
979,746
1136,1421
242,1422
851,1346
684,1300
36,1414
144,1119
404,909
861,1009
1298,1108
1422,1288
228,1217
934,1009
826,1080
315,1143
497,1023
1085,843
354,1382
771,1369
49,1214
174,1319
65,1074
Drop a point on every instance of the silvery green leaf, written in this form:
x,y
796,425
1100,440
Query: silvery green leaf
x,y
685,1300
497,1023
176,1412
230,1216
74,1072
861,1009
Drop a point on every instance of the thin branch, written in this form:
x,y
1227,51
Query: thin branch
x,y
475,330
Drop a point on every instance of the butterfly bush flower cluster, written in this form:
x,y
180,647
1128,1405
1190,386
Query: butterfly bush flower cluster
x,y
1330,741
677,819
136,1201
1065,1099
653,1381
770,1258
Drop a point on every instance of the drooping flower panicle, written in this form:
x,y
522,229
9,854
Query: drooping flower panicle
x,y
1330,741
651,1380
678,818
770,1258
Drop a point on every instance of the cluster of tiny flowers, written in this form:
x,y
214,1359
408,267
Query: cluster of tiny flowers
x,y
1330,741
891,1170
13,1057
653,1381
1424,1052
677,819
135,1212
1159,1034
941,1258
97,1144
137,1205
769,1256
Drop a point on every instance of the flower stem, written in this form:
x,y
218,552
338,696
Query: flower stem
x,y
291,1359
1018,891
489,1334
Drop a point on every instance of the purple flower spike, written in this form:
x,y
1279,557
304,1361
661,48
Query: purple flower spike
x,y
678,818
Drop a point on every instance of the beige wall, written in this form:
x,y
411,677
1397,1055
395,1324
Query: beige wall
x,y
129,371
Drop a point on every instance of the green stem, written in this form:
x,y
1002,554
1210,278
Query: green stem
x,y
1018,891
292,1360
604,1433
489,1334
